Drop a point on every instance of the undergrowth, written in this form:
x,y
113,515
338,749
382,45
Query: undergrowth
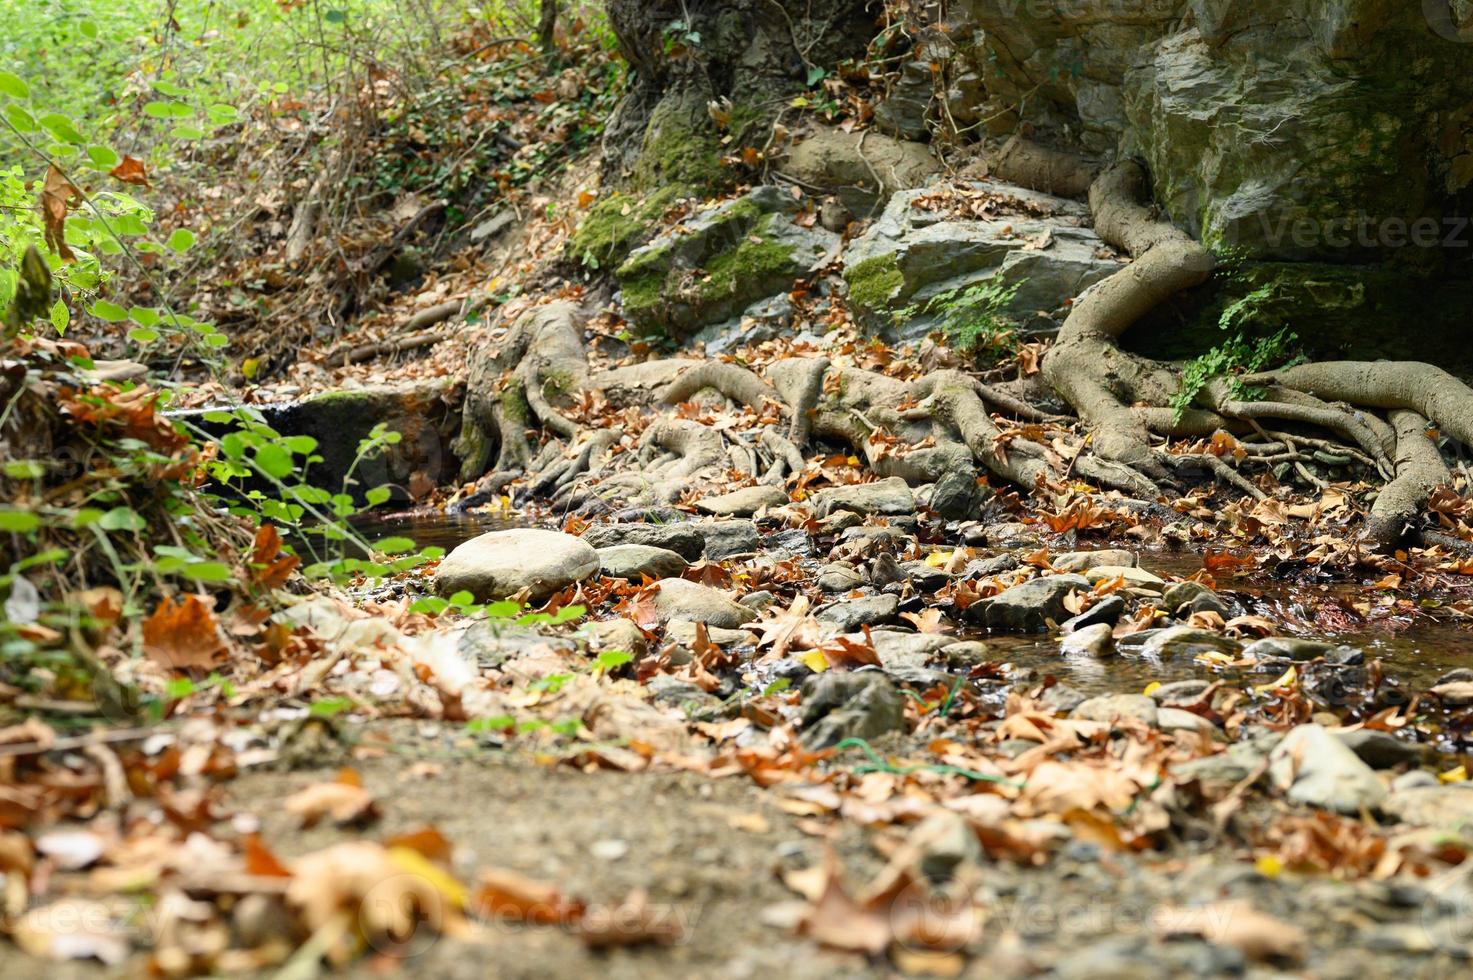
x,y
973,318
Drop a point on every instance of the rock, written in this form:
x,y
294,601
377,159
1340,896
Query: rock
x,y
946,843
686,540
1118,707
910,254
838,577
898,649
903,110
831,160
684,631
1029,607
1455,694
630,561
1092,641
1135,578
1194,595
1180,692
742,503
1108,610
616,634
966,654
718,262
988,567
1012,535
727,538
682,599
1179,720
1059,698
839,521
1382,750
501,563
668,689
892,496
1079,561
1286,648
490,643
956,494
850,614
1317,769
1186,642
1237,763
759,600
924,577
854,705
1448,808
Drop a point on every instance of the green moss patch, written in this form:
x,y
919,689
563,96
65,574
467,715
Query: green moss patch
x,y
616,225
875,282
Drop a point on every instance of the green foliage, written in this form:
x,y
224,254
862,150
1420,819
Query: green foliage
x,y
1234,356
973,318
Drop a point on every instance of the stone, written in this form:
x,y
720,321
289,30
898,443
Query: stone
x,y
686,540
988,567
502,563
967,654
1118,707
1382,750
1031,606
490,643
720,261
1448,808
616,634
1240,760
1135,578
742,503
1187,642
1108,610
1079,561
727,538
1317,769
911,254
862,704
850,614
839,521
839,577
946,843
1180,692
1179,594
669,689
678,598
684,631
899,649
862,177
892,496
1286,648
956,495
1180,720
759,600
630,561
1012,535
1091,641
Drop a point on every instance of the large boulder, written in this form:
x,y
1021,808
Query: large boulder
x,y
929,243
1316,768
679,598
502,563
717,263
1251,117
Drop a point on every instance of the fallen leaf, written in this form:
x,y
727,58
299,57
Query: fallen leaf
x,y
633,922
131,171
184,635
344,800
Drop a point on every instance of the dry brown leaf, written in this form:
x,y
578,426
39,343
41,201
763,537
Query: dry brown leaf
x,y
57,195
131,171
514,897
1258,936
344,800
184,635
633,922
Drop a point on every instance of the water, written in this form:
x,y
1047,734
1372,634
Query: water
x,y
1415,650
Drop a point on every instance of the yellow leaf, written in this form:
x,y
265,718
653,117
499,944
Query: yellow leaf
x,y
1289,679
1152,688
938,559
1269,866
1458,775
411,862
250,366
814,660
852,460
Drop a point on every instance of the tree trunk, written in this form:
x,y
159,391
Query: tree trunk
x,y
547,27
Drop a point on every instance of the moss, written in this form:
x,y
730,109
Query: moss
x,y
874,282
557,382
616,225
514,404
682,148
755,260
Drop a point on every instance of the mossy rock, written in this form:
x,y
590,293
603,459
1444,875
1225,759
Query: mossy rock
x,y
616,225
718,263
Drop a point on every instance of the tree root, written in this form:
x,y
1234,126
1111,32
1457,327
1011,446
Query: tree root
x,y
1419,471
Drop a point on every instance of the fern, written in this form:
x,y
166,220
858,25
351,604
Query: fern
x,y
1235,356
972,318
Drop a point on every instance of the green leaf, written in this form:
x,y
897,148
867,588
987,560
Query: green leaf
x,y
377,496
122,519
170,89
143,335
144,316
111,312
207,571
24,469
394,546
20,118
187,132
61,127
274,460
18,521
88,29
165,110
816,74
13,86
60,316
301,445
103,157
335,16
182,240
